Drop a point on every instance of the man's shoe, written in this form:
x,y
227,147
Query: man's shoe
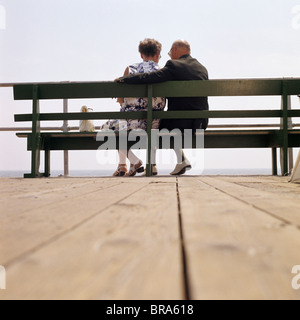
x,y
181,168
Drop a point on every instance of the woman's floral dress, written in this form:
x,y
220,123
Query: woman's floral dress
x,y
137,104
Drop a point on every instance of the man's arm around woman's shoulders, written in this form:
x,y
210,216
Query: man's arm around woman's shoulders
x,y
162,75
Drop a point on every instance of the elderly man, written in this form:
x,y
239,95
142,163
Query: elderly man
x,y
181,67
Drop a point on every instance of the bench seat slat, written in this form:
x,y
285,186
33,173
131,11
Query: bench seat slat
x,y
231,114
213,139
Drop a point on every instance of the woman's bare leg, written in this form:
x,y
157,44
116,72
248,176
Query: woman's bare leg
x,y
136,164
122,167
134,160
122,157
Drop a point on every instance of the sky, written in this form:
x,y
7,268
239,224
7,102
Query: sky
x,y
95,40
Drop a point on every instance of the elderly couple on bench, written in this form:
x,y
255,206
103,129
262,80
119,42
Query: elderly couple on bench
x,y
181,67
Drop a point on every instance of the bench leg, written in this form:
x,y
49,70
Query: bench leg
x,y
274,162
35,140
47,163
35,164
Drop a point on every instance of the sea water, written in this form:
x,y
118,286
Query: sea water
x,y
163,172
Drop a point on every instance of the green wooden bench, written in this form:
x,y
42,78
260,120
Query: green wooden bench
x,y
283,138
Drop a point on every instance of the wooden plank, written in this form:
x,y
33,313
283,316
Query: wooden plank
x,y
157,114
12,189
84,116
283,205
130,250
213,139
27,196
31,219
84,90
235,251
260,181
232,87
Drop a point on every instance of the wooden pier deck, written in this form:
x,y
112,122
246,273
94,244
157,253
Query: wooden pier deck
x,y
150,238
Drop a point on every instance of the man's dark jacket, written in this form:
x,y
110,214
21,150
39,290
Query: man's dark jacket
x,y
186,68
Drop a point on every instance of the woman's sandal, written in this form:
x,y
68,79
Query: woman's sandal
x,y
135,168
121,171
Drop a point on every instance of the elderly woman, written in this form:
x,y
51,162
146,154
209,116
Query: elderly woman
x,y
150,50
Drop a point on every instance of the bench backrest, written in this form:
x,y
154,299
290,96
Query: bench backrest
x,y
247,87
211,88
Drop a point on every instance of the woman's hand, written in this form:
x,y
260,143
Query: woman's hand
x,y
120,80
120,101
